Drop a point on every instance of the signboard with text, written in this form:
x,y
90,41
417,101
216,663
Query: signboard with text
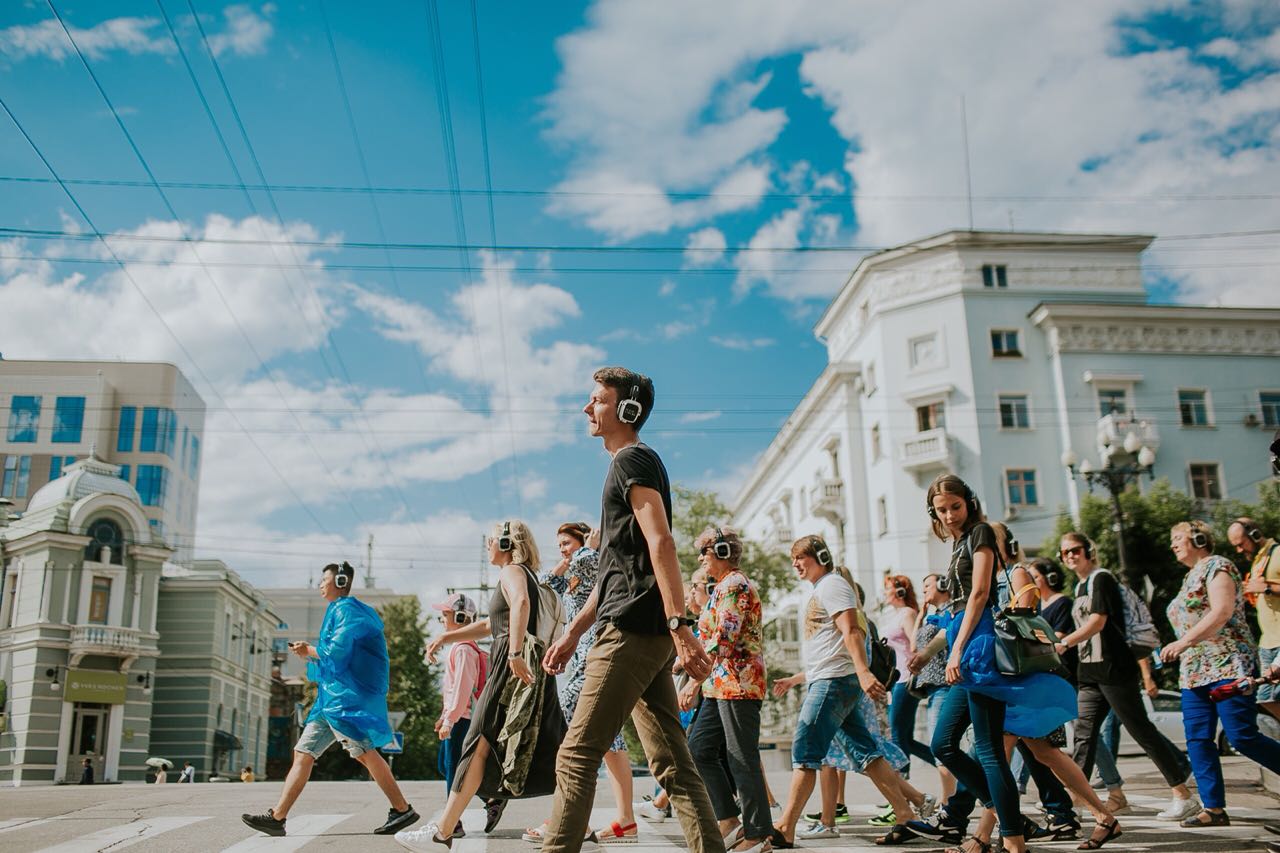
x,y
396,747
91,685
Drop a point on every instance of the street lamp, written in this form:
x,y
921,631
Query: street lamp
x,y
1120,466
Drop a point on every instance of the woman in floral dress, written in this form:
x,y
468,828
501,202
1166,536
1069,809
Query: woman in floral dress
x,y
1214,647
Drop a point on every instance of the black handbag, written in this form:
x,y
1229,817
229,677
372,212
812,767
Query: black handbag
x,y
881,658
1024,641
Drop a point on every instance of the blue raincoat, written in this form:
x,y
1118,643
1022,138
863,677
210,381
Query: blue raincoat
x,y
352,672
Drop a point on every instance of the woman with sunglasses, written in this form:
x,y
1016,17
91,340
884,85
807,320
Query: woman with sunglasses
x,y
727,729
1215,649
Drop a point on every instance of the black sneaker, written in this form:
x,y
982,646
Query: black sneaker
x,y
1059,828
459,831
265,823
397,821
841,811
493,810
941,828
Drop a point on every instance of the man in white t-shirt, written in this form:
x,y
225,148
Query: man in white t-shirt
x,y
837,673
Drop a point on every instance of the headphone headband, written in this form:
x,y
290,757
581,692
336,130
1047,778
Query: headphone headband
x,y
821,552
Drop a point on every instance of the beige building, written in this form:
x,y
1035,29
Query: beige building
x,y
145,418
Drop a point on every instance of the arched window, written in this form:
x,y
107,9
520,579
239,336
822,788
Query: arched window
x,y
105,533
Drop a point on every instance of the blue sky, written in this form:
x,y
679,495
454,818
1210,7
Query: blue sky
x,y
656,168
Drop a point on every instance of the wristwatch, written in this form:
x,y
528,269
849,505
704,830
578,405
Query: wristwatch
x,y
514,655
674,623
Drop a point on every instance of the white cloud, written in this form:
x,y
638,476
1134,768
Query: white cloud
x,y
704,247
668,287
246,33
737,342
677,329
699,417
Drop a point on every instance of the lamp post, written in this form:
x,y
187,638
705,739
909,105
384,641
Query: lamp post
x,y
1120,466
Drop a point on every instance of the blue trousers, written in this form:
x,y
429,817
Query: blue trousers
x,y
902,723
988,776
1239,717
451,752
1107,751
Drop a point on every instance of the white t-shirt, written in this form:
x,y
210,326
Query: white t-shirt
x,y
822,648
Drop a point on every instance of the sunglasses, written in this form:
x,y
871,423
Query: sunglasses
x,y
1067,552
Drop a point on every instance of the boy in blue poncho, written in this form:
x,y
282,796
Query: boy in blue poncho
x,y
350,667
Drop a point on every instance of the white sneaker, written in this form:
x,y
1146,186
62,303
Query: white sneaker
x,y
650,812
818,830
424,840
1179,808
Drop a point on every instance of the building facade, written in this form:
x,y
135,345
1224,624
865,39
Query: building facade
x,y
991,355
78,641
213,682
145,418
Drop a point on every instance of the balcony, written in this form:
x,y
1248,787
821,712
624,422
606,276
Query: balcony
x,y
783,536
924,450
1114,428
826,500
110,640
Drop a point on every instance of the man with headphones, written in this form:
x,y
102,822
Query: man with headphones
x,y
639,603
350,667
1262,590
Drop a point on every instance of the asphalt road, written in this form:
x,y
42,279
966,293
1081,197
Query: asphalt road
x,y
339,816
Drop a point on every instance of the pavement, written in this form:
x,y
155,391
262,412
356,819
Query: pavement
x,y
339,816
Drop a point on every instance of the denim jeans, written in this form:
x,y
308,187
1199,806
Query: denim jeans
x,y
988,777
831,705
1239,716
725,742
451,751
1105,754
902,722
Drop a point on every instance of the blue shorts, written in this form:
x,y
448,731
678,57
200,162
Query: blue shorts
x,y
1267,692
319,736
831,705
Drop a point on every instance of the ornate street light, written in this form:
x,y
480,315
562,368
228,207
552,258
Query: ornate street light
x,y
1120,466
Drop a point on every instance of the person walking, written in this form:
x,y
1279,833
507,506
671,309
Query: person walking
x,y
349,664
86,772
188,773
1261,591
725,737
517,723
1108,674
574,578
465,670
1214,648
899,630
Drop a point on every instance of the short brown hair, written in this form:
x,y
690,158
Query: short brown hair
x,y
577,529
809,546
950,484
626,381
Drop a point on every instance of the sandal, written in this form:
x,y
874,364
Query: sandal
x,y
983,846
1108,830
779,841
616,833
493,810
899,834
1213,819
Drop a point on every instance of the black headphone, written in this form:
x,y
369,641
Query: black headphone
x,y
1199,539
899,590
1053,578
630,410
342,577
943,583
1251,530
720,547
970,498
505,542
1011,545
460,614
821,552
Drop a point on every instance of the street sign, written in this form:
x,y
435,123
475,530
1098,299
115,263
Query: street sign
x,y
396,718
396,747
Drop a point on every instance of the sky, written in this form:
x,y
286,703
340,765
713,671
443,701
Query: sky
x,y
389,243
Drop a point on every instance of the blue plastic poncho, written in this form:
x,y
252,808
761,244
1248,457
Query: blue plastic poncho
x,y
352,672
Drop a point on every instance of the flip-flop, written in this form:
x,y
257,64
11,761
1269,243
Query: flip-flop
x,y
618,834
779,841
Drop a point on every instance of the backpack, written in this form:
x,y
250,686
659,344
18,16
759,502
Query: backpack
x,y
881,658
548,612
1139,629
484,667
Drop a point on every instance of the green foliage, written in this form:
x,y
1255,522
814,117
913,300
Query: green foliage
x,y
695,510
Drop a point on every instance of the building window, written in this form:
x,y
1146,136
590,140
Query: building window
x,y
194,460
226,642
931,416
126,428
57,464
1193,407
17,476
104,533
1270,401
1004,343
124,473
1206,485
24,419
157,526
159,431
923,351
1021,487
153,484
68,420
995,275
1112,400
99,599
1014,412
876,452
882,515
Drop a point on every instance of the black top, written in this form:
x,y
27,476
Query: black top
x,y
961,570
1058,615
1105,658
628,589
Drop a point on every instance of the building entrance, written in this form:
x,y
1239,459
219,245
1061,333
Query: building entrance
x,y
88,740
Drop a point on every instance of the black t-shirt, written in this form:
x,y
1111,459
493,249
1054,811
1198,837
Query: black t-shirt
x,y
1105,658
1058,614
629,596
961,571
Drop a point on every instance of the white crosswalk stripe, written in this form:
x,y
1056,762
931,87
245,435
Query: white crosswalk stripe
x,y
302,829
124,835
22,822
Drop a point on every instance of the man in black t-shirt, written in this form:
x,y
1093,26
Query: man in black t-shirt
x,y
1108,676
639,599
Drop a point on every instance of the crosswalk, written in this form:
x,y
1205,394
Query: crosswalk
x,y
87,831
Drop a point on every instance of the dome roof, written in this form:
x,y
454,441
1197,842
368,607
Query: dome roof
x,y
90,476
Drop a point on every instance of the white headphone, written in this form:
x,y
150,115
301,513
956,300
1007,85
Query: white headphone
x,y
630,410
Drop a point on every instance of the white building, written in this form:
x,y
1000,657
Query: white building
x,y
991,354
144,417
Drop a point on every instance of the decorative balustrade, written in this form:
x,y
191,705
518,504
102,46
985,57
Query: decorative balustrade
x,y
928,449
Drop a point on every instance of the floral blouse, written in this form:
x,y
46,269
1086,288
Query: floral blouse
x,y
575,587
1231,653
730,628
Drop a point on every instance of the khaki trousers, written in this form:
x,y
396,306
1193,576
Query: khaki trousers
x,y
627,671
